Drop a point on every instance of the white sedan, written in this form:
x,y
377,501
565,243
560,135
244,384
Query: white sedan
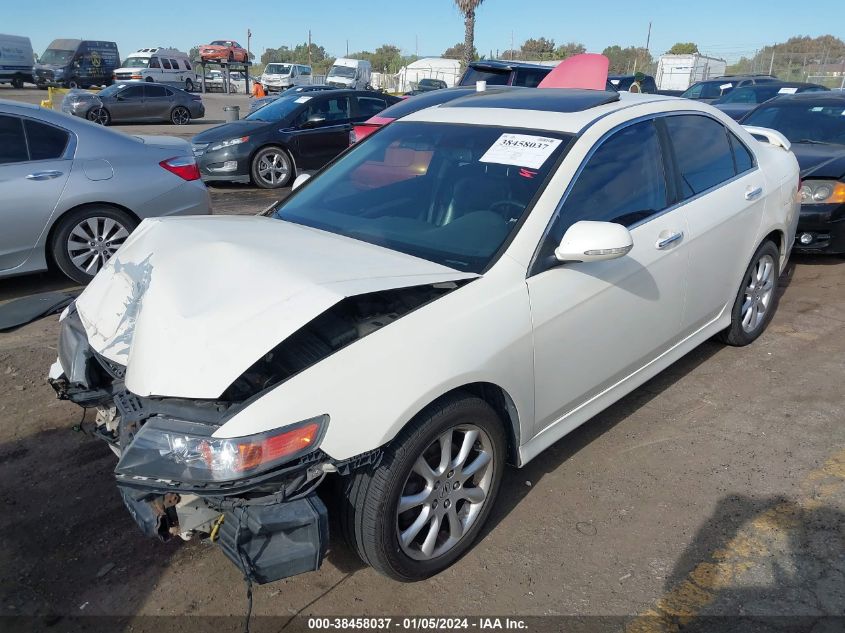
x,y
457,292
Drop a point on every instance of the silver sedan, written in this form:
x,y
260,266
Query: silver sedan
x,y
71,192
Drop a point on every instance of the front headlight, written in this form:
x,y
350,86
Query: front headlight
x,y
185,451
822,192
228,143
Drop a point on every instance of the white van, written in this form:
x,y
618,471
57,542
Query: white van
x,y
163,65
350,73
281,76
16,60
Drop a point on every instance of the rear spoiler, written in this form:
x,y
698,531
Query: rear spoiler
x,y
772,137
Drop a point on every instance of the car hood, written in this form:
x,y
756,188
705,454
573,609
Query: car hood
x,y
230,130
188,304
820,161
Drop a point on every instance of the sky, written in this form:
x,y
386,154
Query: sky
x,y
723,28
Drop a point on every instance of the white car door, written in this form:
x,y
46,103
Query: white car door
x,y
30,183
597,323
724,193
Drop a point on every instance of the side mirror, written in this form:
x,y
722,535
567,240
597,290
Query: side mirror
x,y
315,120
300,180
588,241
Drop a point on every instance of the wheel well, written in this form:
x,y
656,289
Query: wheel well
x,y
504,406
48,251
778,238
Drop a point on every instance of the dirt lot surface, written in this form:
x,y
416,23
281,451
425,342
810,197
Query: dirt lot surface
x,y
718,488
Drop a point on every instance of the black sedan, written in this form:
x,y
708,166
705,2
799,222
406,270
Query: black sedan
x,y
740,101
260,102
815,125
297,132
135,101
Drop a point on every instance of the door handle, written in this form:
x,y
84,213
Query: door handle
x,y
753,193
44,175
666,241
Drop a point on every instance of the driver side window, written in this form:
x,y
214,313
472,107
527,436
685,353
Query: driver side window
x,y
622,182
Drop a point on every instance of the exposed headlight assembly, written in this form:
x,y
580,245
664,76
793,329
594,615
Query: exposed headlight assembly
x,y
183,451
228,143
822,192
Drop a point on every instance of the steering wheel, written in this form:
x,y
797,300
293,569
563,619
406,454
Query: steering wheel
x,y
508,203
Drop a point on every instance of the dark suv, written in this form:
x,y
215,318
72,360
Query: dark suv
x,y
497,72
712,89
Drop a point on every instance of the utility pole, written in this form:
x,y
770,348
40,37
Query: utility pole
x,y
416,45
309,47
511,45
248,38
772,62
647,42
347,48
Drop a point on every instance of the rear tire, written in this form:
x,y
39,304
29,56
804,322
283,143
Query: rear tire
x,y
149,80
756,298
73,82
441,520
180,116
17,82
86,239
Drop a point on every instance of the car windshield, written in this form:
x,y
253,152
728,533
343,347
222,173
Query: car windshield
x,y
136,62
449,193
622,83
277,69
492,77
813,122
112,90
56,56
278,109
219,43
342,71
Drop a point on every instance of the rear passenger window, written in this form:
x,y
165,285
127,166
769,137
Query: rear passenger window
x,y
174,64
154,91
12,140
370,106
45,141
529,77
187,64
154,63
742,157
702,151
165,63
622,182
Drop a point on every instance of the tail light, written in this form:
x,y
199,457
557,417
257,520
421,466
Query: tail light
x,y
183,166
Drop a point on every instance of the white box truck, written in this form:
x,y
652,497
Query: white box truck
x,y
16,60
679,72
350,73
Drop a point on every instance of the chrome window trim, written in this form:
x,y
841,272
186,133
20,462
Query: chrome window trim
x,y
534,264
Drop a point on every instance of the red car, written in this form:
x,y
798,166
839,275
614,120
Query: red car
x,y
226,50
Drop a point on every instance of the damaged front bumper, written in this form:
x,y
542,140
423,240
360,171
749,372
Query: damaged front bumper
x,y
271,524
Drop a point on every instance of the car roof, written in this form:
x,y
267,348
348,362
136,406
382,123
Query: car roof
x,y
499,64
780,84
554,109
827,96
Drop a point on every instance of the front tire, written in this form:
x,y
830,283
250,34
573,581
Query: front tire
x,y
756,298
189,85
17,82
425,504
99,115
73,82
86,239
271,168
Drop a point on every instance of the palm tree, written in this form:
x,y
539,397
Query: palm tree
x,y
467,8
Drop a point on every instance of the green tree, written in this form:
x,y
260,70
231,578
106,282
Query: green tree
x,y
683,48
194,53
625,60
457,52
569,49
800,58
467,9
538,49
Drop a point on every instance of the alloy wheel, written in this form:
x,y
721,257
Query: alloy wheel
x,y
445,492
93,241
99,116
180,116
758,293
273,167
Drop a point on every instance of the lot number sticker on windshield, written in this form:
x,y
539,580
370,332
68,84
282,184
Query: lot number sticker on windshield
x,y
524,150
303,99
787,91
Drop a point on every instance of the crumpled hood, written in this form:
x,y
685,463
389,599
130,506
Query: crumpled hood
x,y
189,303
